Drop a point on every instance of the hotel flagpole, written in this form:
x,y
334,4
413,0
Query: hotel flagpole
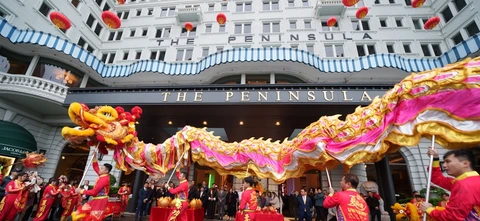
x,y
429,181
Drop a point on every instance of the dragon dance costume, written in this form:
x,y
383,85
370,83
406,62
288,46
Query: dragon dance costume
x,y
464,203
248,205
181,206
95,209
351,206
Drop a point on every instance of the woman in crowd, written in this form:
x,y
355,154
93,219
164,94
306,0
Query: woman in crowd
x,y
232,197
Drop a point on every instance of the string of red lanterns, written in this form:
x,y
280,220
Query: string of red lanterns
x,y
332,21
60,20
362,12
188,26
111,19
432,23
221,18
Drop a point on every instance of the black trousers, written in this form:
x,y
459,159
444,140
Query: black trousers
x,y
321,213
375,213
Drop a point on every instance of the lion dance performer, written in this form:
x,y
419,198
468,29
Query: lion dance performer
x,y
70,198
95,209
181,204
16,199
124,193
49,195
248,204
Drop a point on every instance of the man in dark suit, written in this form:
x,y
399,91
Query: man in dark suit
x,y
293,205
7,180
193,191
304,206
142,201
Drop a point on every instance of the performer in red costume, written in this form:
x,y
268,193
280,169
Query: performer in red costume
x,y
48,198
182,195
248,203
70,199
15,200
95,209
464,203
351,206
124,193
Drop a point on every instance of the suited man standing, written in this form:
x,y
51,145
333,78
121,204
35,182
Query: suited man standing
x,y
293,204
7,180
142,201
221,197
304,206
193,191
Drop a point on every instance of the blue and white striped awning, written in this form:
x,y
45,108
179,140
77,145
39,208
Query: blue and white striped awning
x,y
457,53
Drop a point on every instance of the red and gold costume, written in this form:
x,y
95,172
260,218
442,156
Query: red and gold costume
x,y
95,209
48,198
13,203
124,193
70,198
351,206
248,204
464,203
182,204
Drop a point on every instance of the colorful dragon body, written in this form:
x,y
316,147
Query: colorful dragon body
x,y
444,102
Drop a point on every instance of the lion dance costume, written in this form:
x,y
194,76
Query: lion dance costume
x,y
248,204
95,209
181,204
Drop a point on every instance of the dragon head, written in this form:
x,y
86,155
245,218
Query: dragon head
x,y
104,126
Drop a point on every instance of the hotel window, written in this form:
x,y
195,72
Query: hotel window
x,y
304,3
472,29
106,7
123,15
334,51
221,28
376,2
364,50
308,24
150,11
360,25
399,22
291,3
418,23
447,14
132,33
326,28
144,32
45,9
90,20
184,54
271,27
270,5
94,25
188,33
158,55
208,28
108,58
293,24
408,2
99,2
211,7
139,12
167,12
138,55
392,1
431,50
457,38
244,7
223,7
243,28
437,51
310,49
383,23
406,48
125,55
117,35
75,3
162,33
459,4
3,14
390,48
205,52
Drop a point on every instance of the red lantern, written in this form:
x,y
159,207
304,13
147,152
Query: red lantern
x,y
111,19
221,18
362,12
418,3
432,23
59,20
349,3
121,2
331,22
188,26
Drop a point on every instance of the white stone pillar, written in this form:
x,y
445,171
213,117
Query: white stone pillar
x,y
32,65
84,80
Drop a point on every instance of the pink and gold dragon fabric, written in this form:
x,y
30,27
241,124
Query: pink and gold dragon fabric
x,y
444,102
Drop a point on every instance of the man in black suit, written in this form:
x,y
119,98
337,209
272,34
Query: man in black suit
x,y
304,206
142,201
7,180
293,205
193,191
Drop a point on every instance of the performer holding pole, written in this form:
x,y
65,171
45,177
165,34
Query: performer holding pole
x,y
248,203
464,202
95,209
181,190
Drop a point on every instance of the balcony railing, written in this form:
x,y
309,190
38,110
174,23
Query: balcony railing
x,y
329,7
33,86
190,14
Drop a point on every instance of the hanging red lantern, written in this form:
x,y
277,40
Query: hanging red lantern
x,y
188,26
221,18
432,23
349,3
418,3
331,22
60,20
362,12
111,19
121,2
